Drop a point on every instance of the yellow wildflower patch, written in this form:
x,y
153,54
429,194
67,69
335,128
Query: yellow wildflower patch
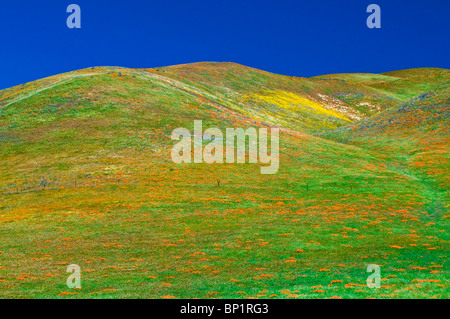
x,y
289,100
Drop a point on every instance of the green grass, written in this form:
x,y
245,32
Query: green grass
x,y
374,191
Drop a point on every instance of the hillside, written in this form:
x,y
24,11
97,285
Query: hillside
x,y
86,178
414,136
400,85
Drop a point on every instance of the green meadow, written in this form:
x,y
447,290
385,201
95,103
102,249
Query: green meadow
x,y
86,178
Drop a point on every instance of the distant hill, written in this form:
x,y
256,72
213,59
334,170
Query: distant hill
x,y
400,85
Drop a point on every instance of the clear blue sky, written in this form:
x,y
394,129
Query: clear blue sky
x,y
302,38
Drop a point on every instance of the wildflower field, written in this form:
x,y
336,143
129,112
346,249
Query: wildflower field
x,y
86,178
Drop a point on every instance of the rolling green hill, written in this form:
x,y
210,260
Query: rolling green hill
x,y
400,85
86,178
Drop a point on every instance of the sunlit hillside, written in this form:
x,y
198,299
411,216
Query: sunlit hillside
x,y
86,178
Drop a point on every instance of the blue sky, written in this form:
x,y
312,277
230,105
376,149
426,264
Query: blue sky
x,y
301,38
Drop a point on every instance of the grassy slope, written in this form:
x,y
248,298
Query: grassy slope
x,y
401,85
414,137
281,99
86,178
